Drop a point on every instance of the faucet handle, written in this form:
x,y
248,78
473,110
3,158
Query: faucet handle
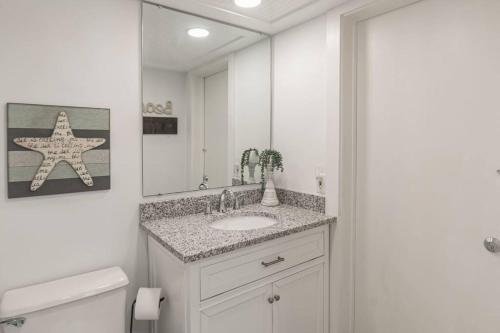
x,y
208,207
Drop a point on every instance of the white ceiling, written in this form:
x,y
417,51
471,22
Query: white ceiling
x,y
270,11
271,17
167,45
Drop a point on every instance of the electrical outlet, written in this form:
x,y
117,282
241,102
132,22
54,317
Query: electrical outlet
x,y
320,183
319,172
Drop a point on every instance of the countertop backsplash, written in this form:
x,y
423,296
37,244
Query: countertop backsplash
x,y
197,204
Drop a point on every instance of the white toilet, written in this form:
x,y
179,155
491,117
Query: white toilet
x,y
92,302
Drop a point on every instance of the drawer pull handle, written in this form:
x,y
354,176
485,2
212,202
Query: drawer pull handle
x,y
276,261
270,300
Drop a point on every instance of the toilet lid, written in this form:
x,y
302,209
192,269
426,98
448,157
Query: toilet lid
x,y
42,296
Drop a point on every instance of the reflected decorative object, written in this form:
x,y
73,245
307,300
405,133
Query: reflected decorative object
x,y
159,125
270,160
40,137
158,109
250,158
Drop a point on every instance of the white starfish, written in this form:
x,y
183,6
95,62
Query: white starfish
x,y
61,146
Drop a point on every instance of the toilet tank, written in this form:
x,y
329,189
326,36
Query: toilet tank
x,y
92,302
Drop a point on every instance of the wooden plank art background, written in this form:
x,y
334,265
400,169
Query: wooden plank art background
x,y
39,121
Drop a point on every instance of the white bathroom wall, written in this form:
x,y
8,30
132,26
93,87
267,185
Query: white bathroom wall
x,y
165,155
306,130
81,53
299,104
252,99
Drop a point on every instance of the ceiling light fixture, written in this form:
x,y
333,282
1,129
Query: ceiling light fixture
x,y
198,32
247,3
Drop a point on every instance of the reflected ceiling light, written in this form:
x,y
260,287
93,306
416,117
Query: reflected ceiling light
x,y
247,3
198,32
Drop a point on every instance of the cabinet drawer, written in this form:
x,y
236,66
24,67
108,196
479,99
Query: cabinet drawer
x,y
234,272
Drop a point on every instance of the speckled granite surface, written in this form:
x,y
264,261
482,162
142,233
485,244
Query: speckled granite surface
x,y
301,200
190,238
192,205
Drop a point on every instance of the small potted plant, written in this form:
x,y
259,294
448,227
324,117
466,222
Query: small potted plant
x,y
270,160
250,159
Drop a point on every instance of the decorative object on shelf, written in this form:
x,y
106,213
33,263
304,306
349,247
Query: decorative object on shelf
x,y
158,109
270,160
249,158
159,125
40,137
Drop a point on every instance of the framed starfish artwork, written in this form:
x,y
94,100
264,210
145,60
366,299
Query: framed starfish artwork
x,y
57,149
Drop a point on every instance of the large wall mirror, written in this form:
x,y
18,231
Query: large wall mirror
x,y
206,100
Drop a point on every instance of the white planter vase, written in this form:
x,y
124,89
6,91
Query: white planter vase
x,y
270,198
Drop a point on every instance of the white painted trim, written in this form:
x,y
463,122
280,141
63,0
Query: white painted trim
x,y
218,14
279,24
211,68
231,115
342,22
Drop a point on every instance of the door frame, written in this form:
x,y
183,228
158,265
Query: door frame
x,y
346,229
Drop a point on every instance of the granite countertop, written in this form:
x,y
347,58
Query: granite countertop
x,y
190,238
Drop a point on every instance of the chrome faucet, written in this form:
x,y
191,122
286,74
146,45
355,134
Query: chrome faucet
x,y
204,183
222,200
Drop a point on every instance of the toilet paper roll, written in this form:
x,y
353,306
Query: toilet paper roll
x,y
147,306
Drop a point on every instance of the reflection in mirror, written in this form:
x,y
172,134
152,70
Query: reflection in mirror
x,y
206,102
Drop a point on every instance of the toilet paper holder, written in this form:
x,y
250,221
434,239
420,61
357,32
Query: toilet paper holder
x,y
132,312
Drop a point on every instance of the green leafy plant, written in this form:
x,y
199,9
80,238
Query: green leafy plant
x,y
245,160
270,160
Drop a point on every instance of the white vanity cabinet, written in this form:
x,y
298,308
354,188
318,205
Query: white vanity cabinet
x,y
300,302
247,312
278,286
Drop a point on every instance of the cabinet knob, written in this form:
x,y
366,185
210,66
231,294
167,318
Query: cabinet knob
x,y
277,298
270,300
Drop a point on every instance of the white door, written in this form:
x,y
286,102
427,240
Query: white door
x,y
216,129
249,312
428,151
299,302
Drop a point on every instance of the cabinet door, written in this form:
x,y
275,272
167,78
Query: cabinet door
x,y
300,302
248,312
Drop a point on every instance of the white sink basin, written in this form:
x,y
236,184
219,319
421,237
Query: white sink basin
x,y
243,223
